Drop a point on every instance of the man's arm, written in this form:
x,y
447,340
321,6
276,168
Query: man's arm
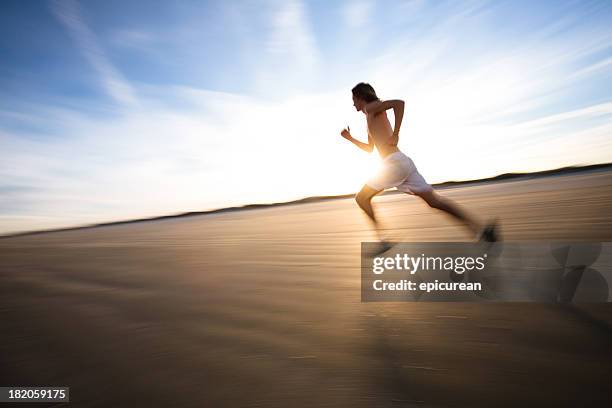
x,y
398,111
367,147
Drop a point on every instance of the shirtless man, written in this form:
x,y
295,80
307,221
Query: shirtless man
x,y
398,170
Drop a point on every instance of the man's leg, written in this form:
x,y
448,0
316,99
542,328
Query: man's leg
x,y
364,200
444,204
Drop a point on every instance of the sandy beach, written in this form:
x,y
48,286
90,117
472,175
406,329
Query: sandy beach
x,y
261,308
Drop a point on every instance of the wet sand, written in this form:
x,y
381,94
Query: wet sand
x,y
261,308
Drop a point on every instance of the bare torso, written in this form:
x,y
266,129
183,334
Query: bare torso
x,y
380,130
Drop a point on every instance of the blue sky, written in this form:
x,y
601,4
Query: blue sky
x,y
113,110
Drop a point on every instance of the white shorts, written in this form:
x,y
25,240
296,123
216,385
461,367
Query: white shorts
x,y
398,170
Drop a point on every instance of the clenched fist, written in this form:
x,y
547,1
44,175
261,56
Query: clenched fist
x,y
346,133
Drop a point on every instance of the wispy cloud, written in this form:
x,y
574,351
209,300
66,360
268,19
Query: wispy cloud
x,y
69,14
132,38
291,35
357,14
596,68
590,112
292,56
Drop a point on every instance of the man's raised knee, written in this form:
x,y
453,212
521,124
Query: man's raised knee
x,y
363,199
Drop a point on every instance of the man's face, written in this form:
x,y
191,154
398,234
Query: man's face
x,y
358,103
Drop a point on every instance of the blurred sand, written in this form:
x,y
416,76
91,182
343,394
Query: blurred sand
x,y
262,308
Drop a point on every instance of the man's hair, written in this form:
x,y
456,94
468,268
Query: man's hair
x,y
365,91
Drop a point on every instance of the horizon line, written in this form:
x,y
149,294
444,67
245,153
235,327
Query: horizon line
x,y
446,184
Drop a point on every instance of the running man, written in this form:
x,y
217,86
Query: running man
x,y
398,170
